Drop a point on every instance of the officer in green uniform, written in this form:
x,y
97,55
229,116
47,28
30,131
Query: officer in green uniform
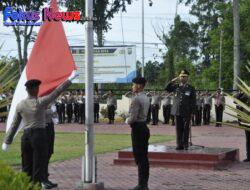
x,y
140,133
183,107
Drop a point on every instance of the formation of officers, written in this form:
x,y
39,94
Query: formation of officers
x,y
71,107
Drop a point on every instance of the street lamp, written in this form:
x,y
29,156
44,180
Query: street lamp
x,y
143,57
220,20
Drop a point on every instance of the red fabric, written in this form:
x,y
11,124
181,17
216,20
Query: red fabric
x,y
51,60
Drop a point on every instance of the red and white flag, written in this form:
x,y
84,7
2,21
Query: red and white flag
x,y
50,61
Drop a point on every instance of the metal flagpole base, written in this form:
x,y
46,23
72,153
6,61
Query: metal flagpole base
x,y
89,186
82,185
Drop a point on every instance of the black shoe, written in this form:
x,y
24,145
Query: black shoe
x,y
179,148
52,184
46,185
246,160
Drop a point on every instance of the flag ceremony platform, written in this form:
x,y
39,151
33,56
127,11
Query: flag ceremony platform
x,y
197,157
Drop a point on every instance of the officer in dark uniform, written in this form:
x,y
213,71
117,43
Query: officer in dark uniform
x,y
34,145
140,134
183,107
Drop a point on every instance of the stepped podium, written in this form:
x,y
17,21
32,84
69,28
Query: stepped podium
x,y
196,157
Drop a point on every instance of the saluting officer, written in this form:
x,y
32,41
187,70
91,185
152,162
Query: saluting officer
x,y
207,103
81,107
140,133
34,145
111,105
183,107
96,107
69,106
166,106
155,106
75,107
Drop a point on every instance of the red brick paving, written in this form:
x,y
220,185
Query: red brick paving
x,y
68,173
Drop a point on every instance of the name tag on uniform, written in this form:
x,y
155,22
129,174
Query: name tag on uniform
x,y
187,93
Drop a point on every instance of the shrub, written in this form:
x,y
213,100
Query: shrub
x,y
13,180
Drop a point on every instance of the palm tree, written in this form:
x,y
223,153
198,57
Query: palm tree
x,y
243,116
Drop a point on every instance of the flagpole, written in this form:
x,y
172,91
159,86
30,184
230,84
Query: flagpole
x,y
89,142
88,181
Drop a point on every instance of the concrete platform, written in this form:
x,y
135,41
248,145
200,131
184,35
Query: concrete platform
x,y
197,157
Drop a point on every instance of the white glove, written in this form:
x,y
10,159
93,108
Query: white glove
x,y
5,147
126,121
73,75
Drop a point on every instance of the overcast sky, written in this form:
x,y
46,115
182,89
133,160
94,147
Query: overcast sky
x,y
161,14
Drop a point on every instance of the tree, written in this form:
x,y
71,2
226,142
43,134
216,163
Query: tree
x,y
104,11
24,34
181,44
207,14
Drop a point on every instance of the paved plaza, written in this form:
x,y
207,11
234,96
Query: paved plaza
x,y
237,177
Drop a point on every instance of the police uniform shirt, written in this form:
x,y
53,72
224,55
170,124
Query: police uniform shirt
x,y
166,100
184,99
207,100
32,111
96,99
156,100
111,101
138,109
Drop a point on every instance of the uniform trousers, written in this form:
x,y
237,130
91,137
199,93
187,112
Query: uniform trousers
x,y
182,131
140,135
155,113
69,109
219,114
206,114
51,139
111,113
96,112
81,113
34,148
166,113
76,110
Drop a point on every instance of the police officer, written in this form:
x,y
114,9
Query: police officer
x,y
219,107
155,106
166,106
207,103
183,107
34,145
69,106
111,105
81,107
140,133
75,107
198,113
50,115
96,107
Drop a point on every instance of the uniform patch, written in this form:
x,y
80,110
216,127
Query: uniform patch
x,y
187,93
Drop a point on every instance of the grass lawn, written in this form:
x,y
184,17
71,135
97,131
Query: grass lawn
x,y
71,145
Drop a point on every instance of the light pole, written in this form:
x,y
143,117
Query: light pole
x,y
142,31
220,20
